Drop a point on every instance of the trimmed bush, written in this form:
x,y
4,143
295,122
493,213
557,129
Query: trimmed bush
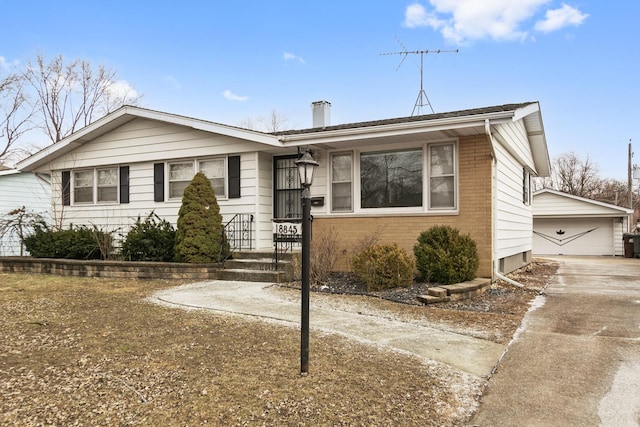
x,y
200,237
445,256
383,266
150,240
79,242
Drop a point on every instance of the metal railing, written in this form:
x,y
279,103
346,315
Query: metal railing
x,y
238,232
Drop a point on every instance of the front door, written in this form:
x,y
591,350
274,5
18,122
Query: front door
x,y
287,188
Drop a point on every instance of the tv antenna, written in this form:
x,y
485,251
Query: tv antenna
x,y
422,99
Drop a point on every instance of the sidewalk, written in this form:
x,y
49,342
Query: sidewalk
x,y
471,355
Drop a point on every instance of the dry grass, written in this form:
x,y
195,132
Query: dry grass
x,y
78,351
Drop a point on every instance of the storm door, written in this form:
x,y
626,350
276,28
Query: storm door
x,y
287,188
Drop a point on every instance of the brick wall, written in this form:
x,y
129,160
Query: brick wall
x,y
474,218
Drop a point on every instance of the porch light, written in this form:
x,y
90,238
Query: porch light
x,y
306,168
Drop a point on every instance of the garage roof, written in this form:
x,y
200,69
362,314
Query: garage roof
x,y
549,203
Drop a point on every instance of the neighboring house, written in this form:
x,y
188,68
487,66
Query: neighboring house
x,y
394,178
29,190
564,224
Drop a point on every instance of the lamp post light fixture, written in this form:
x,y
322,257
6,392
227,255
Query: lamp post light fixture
x,y
306,168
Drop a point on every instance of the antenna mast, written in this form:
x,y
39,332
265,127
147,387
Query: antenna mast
x,y
422,99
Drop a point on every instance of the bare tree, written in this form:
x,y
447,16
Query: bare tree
x,y
274,123
574,175
72,95
15,116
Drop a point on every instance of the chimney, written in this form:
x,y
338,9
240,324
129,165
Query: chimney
x,y
321,114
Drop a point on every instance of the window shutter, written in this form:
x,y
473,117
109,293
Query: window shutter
x,y
158,182
66,188
124,184
233,165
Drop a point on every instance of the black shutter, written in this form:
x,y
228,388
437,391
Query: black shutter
x,y
233,164
66,188
158,182
124,184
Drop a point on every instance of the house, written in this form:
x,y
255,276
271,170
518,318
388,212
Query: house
x,y
564,224
394,178
29,190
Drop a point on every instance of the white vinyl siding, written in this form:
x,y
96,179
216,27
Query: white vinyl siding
x,y
514,219
141,143
19,190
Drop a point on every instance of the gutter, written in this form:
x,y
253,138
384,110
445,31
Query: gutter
x,y
494,208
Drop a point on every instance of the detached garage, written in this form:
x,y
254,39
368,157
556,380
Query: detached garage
x,y
564,224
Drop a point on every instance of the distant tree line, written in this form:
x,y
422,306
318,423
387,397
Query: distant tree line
x,y
579,175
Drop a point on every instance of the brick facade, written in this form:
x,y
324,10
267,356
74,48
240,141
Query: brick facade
x,y
474,218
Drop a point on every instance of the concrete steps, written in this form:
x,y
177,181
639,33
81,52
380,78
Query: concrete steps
x,y
257,266
455,292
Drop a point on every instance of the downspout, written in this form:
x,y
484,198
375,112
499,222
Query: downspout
x,y
494,209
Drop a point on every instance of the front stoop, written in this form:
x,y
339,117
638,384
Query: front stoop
x,y
257,266
455,292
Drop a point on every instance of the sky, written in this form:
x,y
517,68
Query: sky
x,y
234,61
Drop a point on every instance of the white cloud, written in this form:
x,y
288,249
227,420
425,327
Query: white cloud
x,y
5,65
460,21
121,90
233,97
288,56
556,19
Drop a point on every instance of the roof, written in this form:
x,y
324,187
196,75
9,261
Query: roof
x,y
568,205
428,127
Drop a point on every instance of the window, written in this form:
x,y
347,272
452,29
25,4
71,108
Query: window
x,y
180,175
391,179
83,186
442,183
526,187
215,170
107,183
341,177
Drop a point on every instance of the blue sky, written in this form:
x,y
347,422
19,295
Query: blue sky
x,y
229,61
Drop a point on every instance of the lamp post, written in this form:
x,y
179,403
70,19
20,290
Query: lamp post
x,y
306,168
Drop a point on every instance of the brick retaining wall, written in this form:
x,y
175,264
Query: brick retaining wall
x,y
110,269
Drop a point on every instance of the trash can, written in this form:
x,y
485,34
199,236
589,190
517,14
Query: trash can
x,y
629,243
636,246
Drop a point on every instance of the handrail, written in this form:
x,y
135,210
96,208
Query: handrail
x,y
237,233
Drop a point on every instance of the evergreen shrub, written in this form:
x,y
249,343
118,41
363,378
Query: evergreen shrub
x,y
151,239
445,256
200,237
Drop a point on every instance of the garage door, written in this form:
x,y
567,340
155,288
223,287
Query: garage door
x,y
581,236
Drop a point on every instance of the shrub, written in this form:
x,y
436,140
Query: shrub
x,y
445,256
150,240
383,266
323,255
200,237
79,242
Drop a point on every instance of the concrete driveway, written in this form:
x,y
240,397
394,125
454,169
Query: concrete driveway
x,y
576,359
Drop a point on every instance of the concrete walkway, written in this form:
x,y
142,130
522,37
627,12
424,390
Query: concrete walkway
x,y
472,355
576,361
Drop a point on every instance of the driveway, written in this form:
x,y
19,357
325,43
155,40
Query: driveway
x,y
576,359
